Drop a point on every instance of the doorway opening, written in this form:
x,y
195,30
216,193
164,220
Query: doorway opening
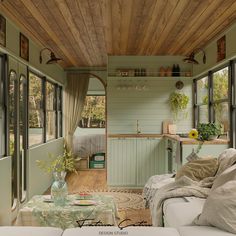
x,y
90,136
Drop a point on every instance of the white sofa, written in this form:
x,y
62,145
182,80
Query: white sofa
x,y
179,213
131,231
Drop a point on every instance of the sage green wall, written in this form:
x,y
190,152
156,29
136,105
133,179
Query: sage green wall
x,y
211,52
126,104
12,47
5,186
37,180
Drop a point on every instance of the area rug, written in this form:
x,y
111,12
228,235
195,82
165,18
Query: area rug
x,y
124,199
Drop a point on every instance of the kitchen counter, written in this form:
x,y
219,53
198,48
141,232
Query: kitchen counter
x,y
135,135
193,141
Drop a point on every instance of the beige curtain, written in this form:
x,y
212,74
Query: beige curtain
x,y
75,93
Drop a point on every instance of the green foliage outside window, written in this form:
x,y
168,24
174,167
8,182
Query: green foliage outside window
x,y
93,115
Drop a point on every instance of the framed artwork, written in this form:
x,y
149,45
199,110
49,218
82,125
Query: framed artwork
x,y
221,49
2,31
24,47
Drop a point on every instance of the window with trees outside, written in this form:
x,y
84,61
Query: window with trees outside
x,y
93,115
220,81
36,112
2,110
50,111
212,99
202,113
59,111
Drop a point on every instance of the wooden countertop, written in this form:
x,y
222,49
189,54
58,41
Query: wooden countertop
x,y
135,135
193,141
174,137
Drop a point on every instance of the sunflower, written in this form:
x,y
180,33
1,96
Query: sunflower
x,y
193,134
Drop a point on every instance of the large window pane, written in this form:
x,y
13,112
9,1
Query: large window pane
x,y
59,111
35,110
50,111
220,84
203,114
35,127
12,95
221,111
51,128
202,91
2,112
22,130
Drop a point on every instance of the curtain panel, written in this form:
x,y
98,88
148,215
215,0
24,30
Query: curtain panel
x,y
75,94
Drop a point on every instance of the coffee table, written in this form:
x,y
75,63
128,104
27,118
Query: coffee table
x,y
37,212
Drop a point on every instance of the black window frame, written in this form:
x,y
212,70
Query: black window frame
x,y
211,102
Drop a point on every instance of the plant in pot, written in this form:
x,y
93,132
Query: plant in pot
x,y
58,166
208,131
204,132
178,104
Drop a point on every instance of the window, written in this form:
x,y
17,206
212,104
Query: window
x,y
216,107
50,111
59,111
2,110
36,114
93,115
202,100
12,131
220,81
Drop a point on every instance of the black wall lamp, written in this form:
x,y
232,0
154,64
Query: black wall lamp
x,y
190,58
53,59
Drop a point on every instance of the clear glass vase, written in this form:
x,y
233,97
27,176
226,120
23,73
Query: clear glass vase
x,y
59,188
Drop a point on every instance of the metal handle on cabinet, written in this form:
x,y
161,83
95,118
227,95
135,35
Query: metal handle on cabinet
x,y
169,149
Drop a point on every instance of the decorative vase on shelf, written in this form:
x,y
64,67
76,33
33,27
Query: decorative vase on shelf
x,y
59,188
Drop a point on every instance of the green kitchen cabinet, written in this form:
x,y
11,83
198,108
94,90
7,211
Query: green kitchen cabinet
x,y
131,161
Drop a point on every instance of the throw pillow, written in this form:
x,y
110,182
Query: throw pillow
x,y
198,169
228,175
219,210
192,156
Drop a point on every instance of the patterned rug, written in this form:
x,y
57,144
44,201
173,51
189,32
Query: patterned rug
x,y
124,199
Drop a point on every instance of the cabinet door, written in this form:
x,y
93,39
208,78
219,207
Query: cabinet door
x,y
150,158
121,161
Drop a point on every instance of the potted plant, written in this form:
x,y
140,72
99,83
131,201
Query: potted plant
x,y
58,166
208,131
178,103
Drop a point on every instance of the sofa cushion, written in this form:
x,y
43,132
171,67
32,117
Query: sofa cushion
x,y
180,213
219,209
202,231
131,231
29,231
227,175
198,169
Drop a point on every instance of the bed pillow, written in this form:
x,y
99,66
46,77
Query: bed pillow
x,y
219,209
228,175
198,169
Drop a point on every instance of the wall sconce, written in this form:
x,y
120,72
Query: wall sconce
x,y
190,58
53,59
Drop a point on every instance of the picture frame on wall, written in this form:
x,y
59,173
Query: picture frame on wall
x,y
221,49
2,31
24,47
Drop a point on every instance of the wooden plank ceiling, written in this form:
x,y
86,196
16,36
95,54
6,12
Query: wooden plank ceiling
x,y
84,32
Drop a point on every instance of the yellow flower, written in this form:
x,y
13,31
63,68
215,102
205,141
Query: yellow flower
x,y
193,134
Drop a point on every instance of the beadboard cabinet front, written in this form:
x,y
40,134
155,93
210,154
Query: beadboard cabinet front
x,y
121,161
131,161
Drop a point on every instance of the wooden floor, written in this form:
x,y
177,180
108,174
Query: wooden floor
x,y
96,180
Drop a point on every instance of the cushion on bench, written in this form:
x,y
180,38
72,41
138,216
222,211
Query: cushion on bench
x,y
182,211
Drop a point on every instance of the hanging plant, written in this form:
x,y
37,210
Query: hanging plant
x,y
178,103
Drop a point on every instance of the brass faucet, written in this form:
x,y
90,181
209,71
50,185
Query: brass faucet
x,y
138,129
